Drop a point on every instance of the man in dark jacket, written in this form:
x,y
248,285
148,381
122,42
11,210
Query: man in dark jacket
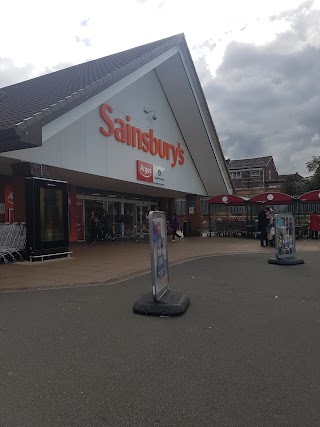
x,y
175,225
262,226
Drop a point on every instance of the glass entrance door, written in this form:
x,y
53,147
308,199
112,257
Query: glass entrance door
x,y
115,218
142,212
129,219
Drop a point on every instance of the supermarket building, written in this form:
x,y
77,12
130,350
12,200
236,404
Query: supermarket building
x,y
126,132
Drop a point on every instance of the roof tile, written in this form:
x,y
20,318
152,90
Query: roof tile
x,y
248,163
27,98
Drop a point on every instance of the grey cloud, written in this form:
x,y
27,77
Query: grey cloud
x,y
11,74
264,99
84,40
57,67
203,70
208,44
292,14
85,22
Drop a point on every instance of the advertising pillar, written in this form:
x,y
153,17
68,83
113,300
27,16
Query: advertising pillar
x,y
161,301
285,241
158,254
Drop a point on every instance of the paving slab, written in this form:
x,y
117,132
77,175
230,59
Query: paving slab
x,y
114,261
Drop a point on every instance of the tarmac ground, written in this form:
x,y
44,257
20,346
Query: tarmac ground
x,y
245,353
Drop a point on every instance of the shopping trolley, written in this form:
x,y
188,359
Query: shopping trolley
x,y
142,234
12,242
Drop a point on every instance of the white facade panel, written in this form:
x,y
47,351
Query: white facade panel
x,y
80,146
73,146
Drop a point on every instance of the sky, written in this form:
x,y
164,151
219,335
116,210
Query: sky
x,y
258,61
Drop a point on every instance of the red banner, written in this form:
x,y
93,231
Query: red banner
x,y
72,204
79,219
8,203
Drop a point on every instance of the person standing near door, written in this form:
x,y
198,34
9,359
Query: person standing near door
x,y
106,226
175,226
314,225
93,227
263,222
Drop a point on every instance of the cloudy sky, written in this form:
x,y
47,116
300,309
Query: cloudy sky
x,y
258,61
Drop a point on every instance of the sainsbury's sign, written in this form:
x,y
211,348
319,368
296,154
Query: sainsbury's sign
x,y
133,136
150,173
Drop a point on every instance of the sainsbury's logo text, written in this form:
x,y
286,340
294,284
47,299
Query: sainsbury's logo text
x,y
124,132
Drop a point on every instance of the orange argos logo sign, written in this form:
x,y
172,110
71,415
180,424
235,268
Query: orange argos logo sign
x,y
133,136
144,171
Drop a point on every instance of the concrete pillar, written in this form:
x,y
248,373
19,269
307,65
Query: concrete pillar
x,y
2,201
20,171
193,213
19,195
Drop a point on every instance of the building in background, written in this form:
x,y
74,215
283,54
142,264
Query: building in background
x,y
253,176
125,132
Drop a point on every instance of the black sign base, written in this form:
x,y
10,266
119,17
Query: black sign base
x,y
292,260
171,304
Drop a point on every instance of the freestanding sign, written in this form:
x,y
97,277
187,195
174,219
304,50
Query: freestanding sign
x,y
285,241
162,301
158,254
285,235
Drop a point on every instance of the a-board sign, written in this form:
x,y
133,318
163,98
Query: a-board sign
x,y
285,235
158,254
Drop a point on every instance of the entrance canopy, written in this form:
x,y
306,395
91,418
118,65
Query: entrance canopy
x,y
227,199
311,196
272,198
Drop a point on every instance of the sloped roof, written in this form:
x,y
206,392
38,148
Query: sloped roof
x,y
311,196
51,92
291,175
272,198
26,107
227,199
249,163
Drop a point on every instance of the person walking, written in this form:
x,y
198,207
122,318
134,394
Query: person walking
x,y
314,225
270,228
263,222
175,226
106,226
93,227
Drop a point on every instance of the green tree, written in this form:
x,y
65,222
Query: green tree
x,y
314,166
294,185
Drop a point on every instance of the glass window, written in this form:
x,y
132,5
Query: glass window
x,y
181,206
114,212
128,196
255,172
92,192
204,207
236,175
238,210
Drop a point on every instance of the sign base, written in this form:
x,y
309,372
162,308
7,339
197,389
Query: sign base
x,y
170,304
292,260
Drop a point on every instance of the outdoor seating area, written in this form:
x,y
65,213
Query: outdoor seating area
x,y
236,216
